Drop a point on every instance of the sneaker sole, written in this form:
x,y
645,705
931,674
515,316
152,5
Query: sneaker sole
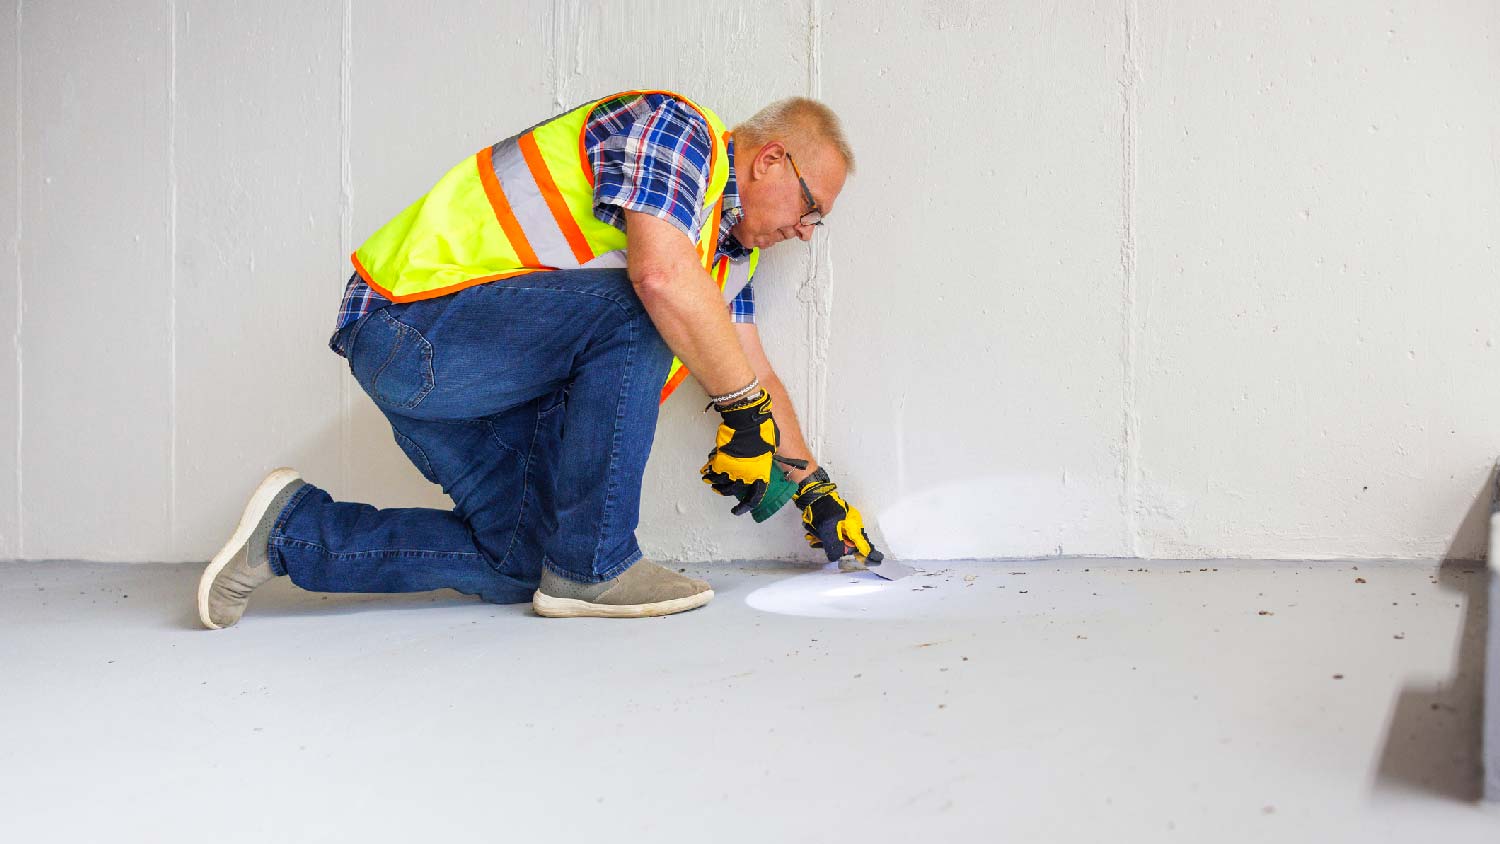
x,y
254,512
550,607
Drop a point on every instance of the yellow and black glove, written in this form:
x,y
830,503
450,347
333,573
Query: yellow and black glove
x,y
830,523
740,464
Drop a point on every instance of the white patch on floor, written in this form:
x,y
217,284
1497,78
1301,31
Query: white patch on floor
x,y
1051,700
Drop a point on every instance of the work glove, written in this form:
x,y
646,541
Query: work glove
x,y
830,523
741,461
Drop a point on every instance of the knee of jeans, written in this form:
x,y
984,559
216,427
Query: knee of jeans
x,y
417,456
653,344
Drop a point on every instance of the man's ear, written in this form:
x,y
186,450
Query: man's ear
x,y
770,154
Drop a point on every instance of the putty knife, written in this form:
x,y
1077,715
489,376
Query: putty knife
x,y
781,491
879,565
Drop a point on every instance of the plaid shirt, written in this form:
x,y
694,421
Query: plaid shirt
x,y
650,154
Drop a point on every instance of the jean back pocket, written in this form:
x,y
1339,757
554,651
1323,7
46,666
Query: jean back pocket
x,y
392,361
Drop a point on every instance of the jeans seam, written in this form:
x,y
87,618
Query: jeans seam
x,y
404,333
608,574
617,302
425,467
373,552
354,329
390,356
619,568
429,371
607,521
515,529
278,529
525,488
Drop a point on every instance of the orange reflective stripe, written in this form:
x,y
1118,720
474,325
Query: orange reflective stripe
x,y
583,151
440,291
682,372
708,246
721,272
503,212
560,212
737,272
360,268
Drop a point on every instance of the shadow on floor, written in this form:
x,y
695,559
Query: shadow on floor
x,y
167,592
280,598
1434,741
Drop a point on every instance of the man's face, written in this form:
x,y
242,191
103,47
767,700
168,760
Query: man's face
x,y
772,197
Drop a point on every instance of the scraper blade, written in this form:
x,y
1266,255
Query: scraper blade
x,y
877,564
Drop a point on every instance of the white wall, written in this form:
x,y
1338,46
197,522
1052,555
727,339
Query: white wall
x,y
1134,278
10,300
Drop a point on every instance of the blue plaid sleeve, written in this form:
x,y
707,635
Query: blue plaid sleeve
x,y
359,299
742,309
650,154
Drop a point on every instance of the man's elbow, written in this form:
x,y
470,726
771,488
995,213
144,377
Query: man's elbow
x,y
651,286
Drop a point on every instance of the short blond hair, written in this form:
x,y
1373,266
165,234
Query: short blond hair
x,y
797,120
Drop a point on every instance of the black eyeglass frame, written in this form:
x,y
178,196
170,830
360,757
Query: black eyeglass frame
x,y
816,213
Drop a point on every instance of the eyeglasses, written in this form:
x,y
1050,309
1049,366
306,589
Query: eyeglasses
x,y
815,216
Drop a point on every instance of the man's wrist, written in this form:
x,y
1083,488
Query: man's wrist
x,y
813,471
734,396
742,401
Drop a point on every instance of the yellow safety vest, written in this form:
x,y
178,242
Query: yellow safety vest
x,y
526,205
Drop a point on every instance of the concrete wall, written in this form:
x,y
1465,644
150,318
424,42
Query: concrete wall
x,y
10,278
1128,278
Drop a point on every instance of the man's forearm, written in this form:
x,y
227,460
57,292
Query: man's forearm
x,y
792,444
689,313
684,304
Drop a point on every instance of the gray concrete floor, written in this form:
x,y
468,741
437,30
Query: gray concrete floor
x,y
1053,700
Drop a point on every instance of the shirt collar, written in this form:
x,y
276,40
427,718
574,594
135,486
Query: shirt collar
x,y
733,211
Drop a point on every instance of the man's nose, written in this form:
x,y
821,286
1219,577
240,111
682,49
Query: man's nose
x,y
804,233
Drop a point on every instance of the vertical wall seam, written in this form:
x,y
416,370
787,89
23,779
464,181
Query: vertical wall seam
x,y
818,265
172,279
1130,429
556,47
346,230
20,292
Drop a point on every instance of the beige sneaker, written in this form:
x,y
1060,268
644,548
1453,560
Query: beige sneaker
x,y
643,590
242,564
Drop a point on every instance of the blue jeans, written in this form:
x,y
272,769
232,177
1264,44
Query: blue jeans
x,y
533,402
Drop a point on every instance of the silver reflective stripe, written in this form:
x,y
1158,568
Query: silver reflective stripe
x,y
531,210
736,279
608,261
